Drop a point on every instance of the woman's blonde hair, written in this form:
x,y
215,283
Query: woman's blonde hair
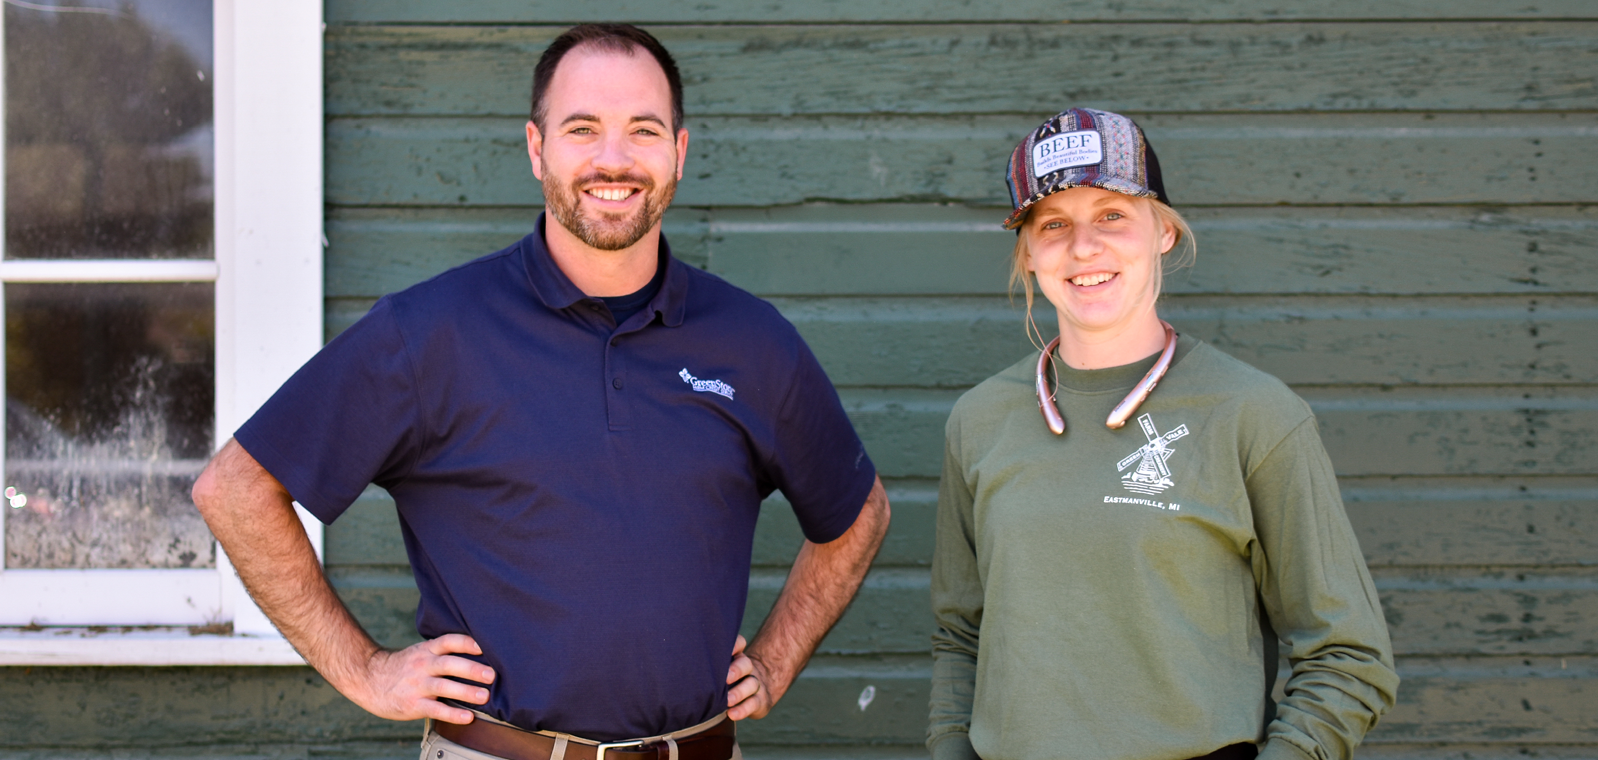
x,y
1185,249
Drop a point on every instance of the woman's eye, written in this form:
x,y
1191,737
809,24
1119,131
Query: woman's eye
x,y
1112,216
1053,225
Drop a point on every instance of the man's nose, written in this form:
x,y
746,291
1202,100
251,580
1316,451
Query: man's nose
x,y
615,154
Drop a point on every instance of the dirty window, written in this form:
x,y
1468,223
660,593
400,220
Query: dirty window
x,y
109,386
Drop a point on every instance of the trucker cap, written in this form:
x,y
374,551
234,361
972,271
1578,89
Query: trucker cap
x,y
1081,147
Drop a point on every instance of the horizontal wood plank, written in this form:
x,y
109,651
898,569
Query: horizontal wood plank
x,y
1440,431
1213,159
368,533
76,708
929,249
823,705
1472,751
909,541
902,249
983,68
1367,431
948,342
1427,522
1494,701
867,11
1503,700
1467,611
390,749
383,600
1490,701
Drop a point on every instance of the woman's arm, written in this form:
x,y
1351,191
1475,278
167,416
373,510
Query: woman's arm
x,y
1320,599
957,606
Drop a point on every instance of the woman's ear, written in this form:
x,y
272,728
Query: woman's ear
x,y
1168,238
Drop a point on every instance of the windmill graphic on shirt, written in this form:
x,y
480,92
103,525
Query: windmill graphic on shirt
x,y
1149,474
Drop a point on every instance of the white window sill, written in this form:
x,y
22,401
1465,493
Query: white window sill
x,y
140,647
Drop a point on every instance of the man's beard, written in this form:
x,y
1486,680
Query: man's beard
x,y
607,232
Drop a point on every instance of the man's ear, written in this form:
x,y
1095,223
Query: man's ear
x,y
535,151
682,151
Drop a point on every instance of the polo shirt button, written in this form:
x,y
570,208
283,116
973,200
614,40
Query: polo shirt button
x,y
616,383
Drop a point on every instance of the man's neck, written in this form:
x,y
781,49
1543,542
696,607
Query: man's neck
x,y
601,273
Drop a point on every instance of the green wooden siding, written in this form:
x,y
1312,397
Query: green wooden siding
x,y
1397,214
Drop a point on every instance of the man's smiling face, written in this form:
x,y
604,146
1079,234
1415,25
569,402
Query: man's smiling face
x,y
606,152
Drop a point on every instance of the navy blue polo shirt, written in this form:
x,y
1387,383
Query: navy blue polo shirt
x,y
580,497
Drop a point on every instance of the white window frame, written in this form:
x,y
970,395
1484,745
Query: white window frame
x,y
268,278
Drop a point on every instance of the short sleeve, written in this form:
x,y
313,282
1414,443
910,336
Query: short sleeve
x,y
817,460
347,418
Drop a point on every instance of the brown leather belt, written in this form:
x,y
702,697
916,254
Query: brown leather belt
x,y
714,743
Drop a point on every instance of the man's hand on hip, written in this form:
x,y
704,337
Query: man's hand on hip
x,y
253,517
823,579
748,697
407,684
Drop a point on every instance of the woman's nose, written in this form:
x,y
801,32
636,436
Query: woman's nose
x,y
1084,240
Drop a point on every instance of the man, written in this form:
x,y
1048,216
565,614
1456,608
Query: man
x,y
577,432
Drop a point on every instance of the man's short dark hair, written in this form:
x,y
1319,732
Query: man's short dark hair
x,y
610,38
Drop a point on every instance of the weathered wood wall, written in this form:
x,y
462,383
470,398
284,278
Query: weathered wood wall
x,y
1394,208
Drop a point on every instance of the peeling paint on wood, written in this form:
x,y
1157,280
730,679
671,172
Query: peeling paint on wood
x,y
759,161
789,70
560,13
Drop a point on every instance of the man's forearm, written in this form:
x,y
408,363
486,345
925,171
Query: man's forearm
x,y
253,518
824,579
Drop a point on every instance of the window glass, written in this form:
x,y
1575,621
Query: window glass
x,y
108,130
109,399
109,387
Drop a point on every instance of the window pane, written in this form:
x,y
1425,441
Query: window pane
x,y
109,410
108,130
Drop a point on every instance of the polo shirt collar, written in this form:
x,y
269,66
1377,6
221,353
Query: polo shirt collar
x,y
556,291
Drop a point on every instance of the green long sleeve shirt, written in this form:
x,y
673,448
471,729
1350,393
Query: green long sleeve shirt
x,y
1118,594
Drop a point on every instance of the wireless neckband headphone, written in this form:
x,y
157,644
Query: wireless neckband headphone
x,y
1123,411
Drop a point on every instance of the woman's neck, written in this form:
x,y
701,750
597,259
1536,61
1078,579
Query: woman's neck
x,y
1098,349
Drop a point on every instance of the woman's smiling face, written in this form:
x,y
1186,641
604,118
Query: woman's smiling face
x,y
1096,255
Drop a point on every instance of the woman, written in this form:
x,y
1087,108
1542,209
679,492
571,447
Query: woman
x,y
1110,591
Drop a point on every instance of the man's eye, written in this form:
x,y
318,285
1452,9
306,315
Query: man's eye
x,y
1053,225
1112,216
582,130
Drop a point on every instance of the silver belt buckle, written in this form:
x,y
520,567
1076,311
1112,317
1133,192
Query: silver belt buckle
x,y
599,752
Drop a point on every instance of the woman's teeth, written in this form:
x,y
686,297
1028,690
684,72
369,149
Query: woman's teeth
x,y
610,195
1089,280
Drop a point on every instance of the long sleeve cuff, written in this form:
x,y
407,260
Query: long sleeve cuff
x,y
1278,749
955,745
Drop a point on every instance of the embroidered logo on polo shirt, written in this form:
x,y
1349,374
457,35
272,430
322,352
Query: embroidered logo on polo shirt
x,y
1149,474
706,386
